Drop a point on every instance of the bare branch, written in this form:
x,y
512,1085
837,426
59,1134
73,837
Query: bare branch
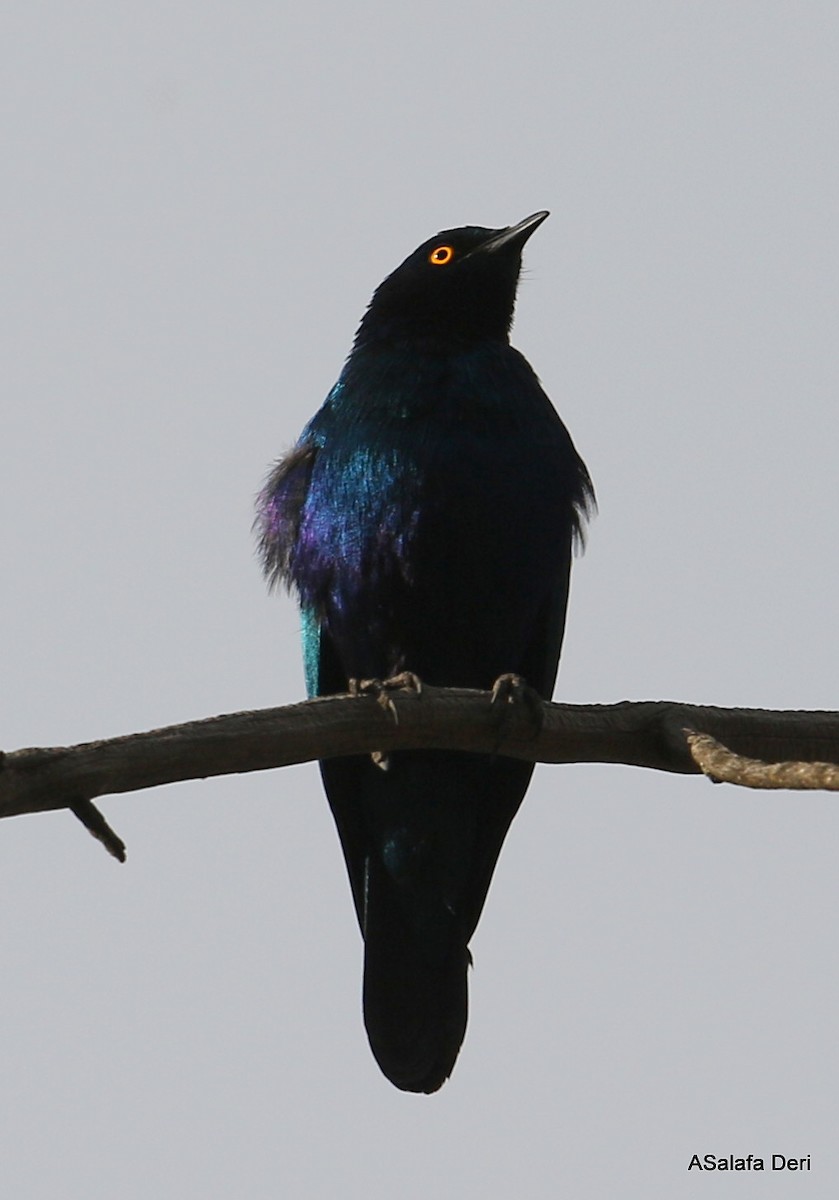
x,y
721,765
95,823
652,734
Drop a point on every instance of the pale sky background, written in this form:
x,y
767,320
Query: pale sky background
x,y
198,199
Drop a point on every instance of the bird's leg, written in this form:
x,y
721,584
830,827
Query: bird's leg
x,y
512,690
405,681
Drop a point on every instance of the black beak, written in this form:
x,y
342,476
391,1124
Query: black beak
x,y
515,235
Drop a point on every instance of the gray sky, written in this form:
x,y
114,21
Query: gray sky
x,y
198,201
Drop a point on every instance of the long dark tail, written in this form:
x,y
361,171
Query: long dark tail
x,y
420,841
415,993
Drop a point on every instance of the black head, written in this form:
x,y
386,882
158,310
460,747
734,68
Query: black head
x,y
459,285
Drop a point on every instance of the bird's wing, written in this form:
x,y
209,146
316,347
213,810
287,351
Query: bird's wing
x,y
342,777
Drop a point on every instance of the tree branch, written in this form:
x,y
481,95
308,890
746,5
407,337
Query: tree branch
x,y
721,765
660,735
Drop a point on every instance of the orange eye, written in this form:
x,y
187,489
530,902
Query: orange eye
x,y
441,256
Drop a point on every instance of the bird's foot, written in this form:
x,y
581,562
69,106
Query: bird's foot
x,y
382,689
512,690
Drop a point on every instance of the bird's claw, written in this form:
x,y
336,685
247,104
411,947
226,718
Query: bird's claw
x,y
512,690
405,681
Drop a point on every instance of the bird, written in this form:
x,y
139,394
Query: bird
x,y
425,520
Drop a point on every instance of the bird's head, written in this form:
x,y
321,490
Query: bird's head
x,y
460,285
